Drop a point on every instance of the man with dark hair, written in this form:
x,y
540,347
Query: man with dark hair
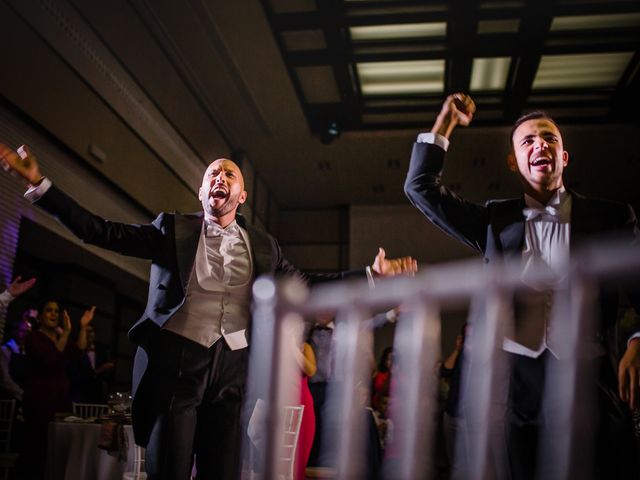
x,y
541,227
190,365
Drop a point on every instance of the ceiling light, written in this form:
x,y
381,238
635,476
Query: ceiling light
x,y
489,73
593,22
397,31
410,77
581,70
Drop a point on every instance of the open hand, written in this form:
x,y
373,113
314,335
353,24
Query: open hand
x,y
395,266
66,322
17,287
87,317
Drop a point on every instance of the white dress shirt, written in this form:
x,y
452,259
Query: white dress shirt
x,y
218,296
547,230
546,245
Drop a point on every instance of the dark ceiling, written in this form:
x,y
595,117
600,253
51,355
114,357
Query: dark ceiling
x,y
324,44
165,87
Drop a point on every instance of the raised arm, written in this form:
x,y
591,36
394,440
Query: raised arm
x,y
465,221
128,239
85,320
457,109
18,287
65,331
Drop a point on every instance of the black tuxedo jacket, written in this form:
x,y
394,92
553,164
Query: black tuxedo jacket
x,y
171,243
496,229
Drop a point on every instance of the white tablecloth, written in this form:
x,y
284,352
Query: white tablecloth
x,y
73,453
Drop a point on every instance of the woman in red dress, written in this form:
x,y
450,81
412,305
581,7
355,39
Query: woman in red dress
x,y
307,363
48,353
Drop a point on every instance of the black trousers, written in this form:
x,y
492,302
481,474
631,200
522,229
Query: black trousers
x,y
605,434
194,396
318,392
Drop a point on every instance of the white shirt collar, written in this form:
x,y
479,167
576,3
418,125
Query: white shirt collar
x,y
559,205
212,229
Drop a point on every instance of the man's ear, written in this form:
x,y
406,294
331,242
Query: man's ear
x,y
512,163
243,197
200,194
565,158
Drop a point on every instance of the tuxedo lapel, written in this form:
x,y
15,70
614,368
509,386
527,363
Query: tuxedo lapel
x,y
187,232
582,223
261,248
508,225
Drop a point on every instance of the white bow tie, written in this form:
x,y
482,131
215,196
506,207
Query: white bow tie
x,y
530,213
213,230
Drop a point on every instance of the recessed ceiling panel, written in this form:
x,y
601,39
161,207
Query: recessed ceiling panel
x,y
410,77
318,84
373,118
398,31
388,58
367,7
300,40
581,70
500,4
489,73
397,48
593,22
502,25
292,6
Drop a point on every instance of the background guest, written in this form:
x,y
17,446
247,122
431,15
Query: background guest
x,y
88,372
382,378
15,288
49,351
13,363
306,360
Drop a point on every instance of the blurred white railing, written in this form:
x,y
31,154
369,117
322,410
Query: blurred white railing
x,y
281,308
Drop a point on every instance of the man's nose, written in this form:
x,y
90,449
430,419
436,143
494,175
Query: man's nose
x,y
542,144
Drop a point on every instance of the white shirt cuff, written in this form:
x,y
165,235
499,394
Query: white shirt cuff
x,y
434,139
392,316
633,337
372,283
5,298
35,192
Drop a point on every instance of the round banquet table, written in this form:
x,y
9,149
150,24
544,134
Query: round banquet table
x,y
73,453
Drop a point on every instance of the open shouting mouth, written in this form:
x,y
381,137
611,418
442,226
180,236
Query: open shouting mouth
x,y
540,162
219,192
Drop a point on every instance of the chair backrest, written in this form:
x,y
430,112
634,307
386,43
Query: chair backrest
x,y
88,410
292,422
7,409
138,466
